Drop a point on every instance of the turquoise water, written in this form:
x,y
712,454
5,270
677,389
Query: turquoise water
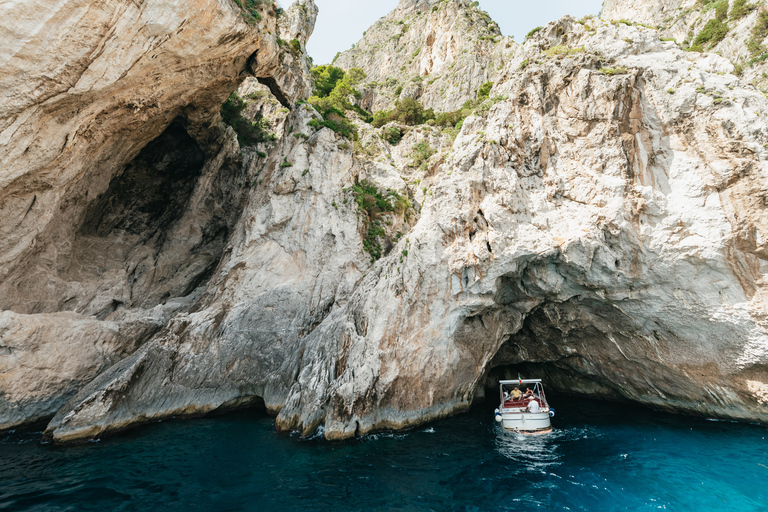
x,y
601,457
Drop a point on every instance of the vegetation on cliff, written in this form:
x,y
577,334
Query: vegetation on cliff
x,y
410,112
333,90
375,203
248,132
250,9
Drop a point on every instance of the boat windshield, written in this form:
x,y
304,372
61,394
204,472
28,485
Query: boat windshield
x,y
524,386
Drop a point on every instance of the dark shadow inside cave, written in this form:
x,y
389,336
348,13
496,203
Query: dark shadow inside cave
x,y
572,346
153,189
155,233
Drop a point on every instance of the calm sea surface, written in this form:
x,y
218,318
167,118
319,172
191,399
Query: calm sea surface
x,y
601,457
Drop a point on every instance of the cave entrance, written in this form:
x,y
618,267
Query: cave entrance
x,y
577,347
152,190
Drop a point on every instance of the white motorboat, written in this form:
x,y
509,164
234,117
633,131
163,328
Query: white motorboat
x,y
526,413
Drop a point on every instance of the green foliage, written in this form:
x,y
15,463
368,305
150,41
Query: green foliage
x,y
285,164
741,8
712,33
407,111
326,78
421,154
248,132
532,32
563,51
250,10
393,135
375,203
759,33
484,91
446,119
340,125
295,46
715,29
525,64
334,88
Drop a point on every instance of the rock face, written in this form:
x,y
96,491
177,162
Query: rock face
x,y
116,192
600,222
734,29
439,53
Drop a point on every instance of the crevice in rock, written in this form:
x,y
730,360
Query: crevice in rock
x,y
275,90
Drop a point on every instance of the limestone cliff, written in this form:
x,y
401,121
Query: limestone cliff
x,y
600,220
116,192
438,52
734,29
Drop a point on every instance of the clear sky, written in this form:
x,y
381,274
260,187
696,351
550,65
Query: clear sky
x,y
342,22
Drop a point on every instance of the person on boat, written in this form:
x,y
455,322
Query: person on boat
x,y
517,394
528,393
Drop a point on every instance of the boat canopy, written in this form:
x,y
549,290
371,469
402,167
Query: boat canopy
x,y
519,381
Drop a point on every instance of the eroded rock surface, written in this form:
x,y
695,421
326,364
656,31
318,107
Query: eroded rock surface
x,y
439,53
119,185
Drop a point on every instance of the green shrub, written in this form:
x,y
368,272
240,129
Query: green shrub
x,y
484,91
562,50
334,87
393,135
532,32
295,46
407,111
712,33
341,126
250,10
759,33
613,71
326,78
741,8
248,132
715,29
421,154
374,204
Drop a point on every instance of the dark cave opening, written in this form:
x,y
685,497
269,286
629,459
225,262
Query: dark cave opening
x,y
155,234
568,345
151,192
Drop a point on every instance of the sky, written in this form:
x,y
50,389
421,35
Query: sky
x,y
342,22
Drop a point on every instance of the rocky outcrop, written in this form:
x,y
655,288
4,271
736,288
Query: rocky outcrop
x,y
118,187
599,221
438,52
734,29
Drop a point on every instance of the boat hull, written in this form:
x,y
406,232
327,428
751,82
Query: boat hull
x,y
527,422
